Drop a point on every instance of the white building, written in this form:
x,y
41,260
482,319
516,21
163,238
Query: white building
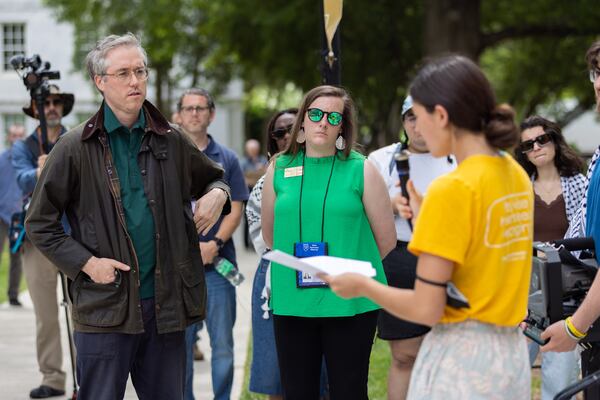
x,y
584,132
28,27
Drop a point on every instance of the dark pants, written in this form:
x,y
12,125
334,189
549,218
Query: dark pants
x,y
400,268
344,341
15,270
156,362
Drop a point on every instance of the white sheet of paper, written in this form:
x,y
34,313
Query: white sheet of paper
x,y
327,264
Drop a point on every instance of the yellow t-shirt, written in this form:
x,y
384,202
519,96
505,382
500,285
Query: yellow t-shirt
x,y
480,216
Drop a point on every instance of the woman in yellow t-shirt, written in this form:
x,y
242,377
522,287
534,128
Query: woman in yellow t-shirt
x,y
473,229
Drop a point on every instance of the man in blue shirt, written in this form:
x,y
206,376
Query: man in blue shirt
x,y
197,110
29,158
11,200
565,334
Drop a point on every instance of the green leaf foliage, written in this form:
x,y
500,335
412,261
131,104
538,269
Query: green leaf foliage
x,y
532,51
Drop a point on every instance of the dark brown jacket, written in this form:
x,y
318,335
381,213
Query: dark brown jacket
x,y
80,179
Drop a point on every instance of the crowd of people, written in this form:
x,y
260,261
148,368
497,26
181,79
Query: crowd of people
x,y
136,214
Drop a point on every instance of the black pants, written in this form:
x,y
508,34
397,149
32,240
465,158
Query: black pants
x,y
156,362
344,341
15,270
400,268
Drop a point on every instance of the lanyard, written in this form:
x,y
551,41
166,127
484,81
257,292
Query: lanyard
x,y
324,198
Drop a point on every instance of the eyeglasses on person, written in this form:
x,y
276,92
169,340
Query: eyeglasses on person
x,y
541,140
279,133
124,75
192,109
316,114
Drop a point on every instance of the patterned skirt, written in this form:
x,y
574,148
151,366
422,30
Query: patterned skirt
x,y
471,360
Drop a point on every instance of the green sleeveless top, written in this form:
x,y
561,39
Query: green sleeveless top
x,y
346,230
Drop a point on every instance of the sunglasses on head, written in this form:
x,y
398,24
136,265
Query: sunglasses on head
x,y
316,114
541,140
279,133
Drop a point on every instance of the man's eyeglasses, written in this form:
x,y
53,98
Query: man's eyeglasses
x,y
594,73
124,75
542,140
279,133
54,102
192,109
316,114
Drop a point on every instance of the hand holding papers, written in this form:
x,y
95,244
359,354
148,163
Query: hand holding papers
x,y
321,264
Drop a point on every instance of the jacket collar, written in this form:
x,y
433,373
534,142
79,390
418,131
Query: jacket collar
x,y
155,122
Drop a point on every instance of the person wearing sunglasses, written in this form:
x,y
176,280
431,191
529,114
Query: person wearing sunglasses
x,y
558,185
322,197
264,370
29,159
473,230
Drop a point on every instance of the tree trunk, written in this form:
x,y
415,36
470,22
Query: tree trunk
x,y
452,26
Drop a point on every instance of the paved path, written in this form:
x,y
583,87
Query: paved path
x,y
18,366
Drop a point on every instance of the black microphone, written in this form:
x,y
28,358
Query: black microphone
x,y
403,168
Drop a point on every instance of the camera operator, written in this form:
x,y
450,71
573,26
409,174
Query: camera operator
x,y
29,157
565,334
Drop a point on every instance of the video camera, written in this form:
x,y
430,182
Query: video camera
x,y
559,283
36,74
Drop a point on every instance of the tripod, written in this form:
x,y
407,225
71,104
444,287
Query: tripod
x,y
65,303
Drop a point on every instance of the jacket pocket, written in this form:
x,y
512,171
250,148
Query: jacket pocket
x,y
99,305
194,289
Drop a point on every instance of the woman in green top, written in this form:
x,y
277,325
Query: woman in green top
x,y
321,197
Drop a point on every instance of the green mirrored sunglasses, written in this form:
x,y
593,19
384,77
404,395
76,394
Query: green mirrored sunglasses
x,y
316,114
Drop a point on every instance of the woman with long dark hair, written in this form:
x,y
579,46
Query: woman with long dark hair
x,y
472,231
555,170
264,370
322,197
558,185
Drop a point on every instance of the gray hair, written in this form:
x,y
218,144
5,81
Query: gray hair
x,y
95,61
197,92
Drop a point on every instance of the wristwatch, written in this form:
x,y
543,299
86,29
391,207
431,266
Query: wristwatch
x,y
220,243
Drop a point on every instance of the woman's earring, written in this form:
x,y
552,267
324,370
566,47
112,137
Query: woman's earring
x,y
301,137
340,143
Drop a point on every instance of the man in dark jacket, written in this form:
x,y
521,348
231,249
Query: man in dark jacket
x,y
126,179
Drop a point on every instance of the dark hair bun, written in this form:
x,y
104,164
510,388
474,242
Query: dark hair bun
x,y
501,130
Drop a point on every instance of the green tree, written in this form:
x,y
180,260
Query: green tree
x,y
172,32
533,51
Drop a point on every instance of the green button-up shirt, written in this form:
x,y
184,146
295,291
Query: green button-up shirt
x,y
125,146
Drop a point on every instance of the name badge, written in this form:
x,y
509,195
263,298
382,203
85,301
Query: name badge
x,y
309,249
292,172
